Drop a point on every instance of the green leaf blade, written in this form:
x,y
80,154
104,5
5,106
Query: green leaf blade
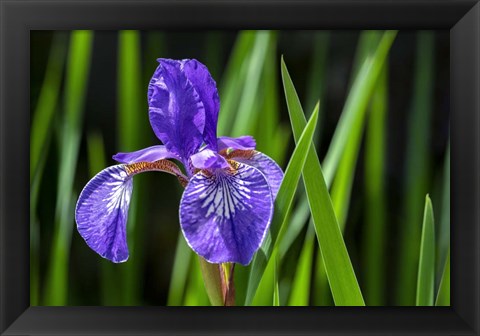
x,y
417,167
178,280
283,203
443,296
426,266
342,279
375,237
300,293
77,73
356,104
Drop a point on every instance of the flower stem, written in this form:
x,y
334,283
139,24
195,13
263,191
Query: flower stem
x,y
228,285
219,282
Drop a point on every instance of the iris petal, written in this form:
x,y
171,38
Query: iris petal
x,y
205,85
177,113
102,208
243,142
262,162
208,159
102,211
149,154
225,215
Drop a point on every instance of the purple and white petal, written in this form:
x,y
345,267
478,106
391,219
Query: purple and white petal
x,y
202,81
177,113
208,159
265,164
225,215
102,211
245,142
149,154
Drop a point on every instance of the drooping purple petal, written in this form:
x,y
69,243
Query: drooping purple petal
x,y
262,162
208,159
225,216
245,142
177,113
102,211
102,208
149,154
202,81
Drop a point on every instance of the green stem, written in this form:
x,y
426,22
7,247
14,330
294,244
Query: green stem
x,y
219,282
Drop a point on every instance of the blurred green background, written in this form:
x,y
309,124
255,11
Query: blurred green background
x,y
88,102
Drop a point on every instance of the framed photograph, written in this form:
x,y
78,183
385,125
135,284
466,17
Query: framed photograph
x,y
278,167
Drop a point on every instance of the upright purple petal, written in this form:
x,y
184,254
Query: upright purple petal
x,y
225,215
102,211
177,113
245,142
149,154
262,162
202,81
208,159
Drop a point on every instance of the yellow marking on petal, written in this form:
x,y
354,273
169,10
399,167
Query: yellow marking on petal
x,y
160,165
234,165
239,153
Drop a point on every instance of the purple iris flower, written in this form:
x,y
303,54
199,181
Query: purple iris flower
x,y
230,188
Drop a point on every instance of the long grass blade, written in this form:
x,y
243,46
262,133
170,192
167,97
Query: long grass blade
x,y
195,294
342,185
443,296
47,101
233,81
426,266
342,279
75,92
266,288
42,118
180,272
133,128
245,120
356,104
317,79
321,294
268,119
283,204
367,62
374,239
416,170
300,293
297,221
276,287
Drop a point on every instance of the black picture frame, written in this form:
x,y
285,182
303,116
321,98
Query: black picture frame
x,y
18,17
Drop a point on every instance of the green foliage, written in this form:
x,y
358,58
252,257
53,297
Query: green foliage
x,y
283,203
341,275
212,278
417,168
40,139
375,236
300,293
348,203
342,184
443,296
132,130
426,265
183,255
357,102
70,135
